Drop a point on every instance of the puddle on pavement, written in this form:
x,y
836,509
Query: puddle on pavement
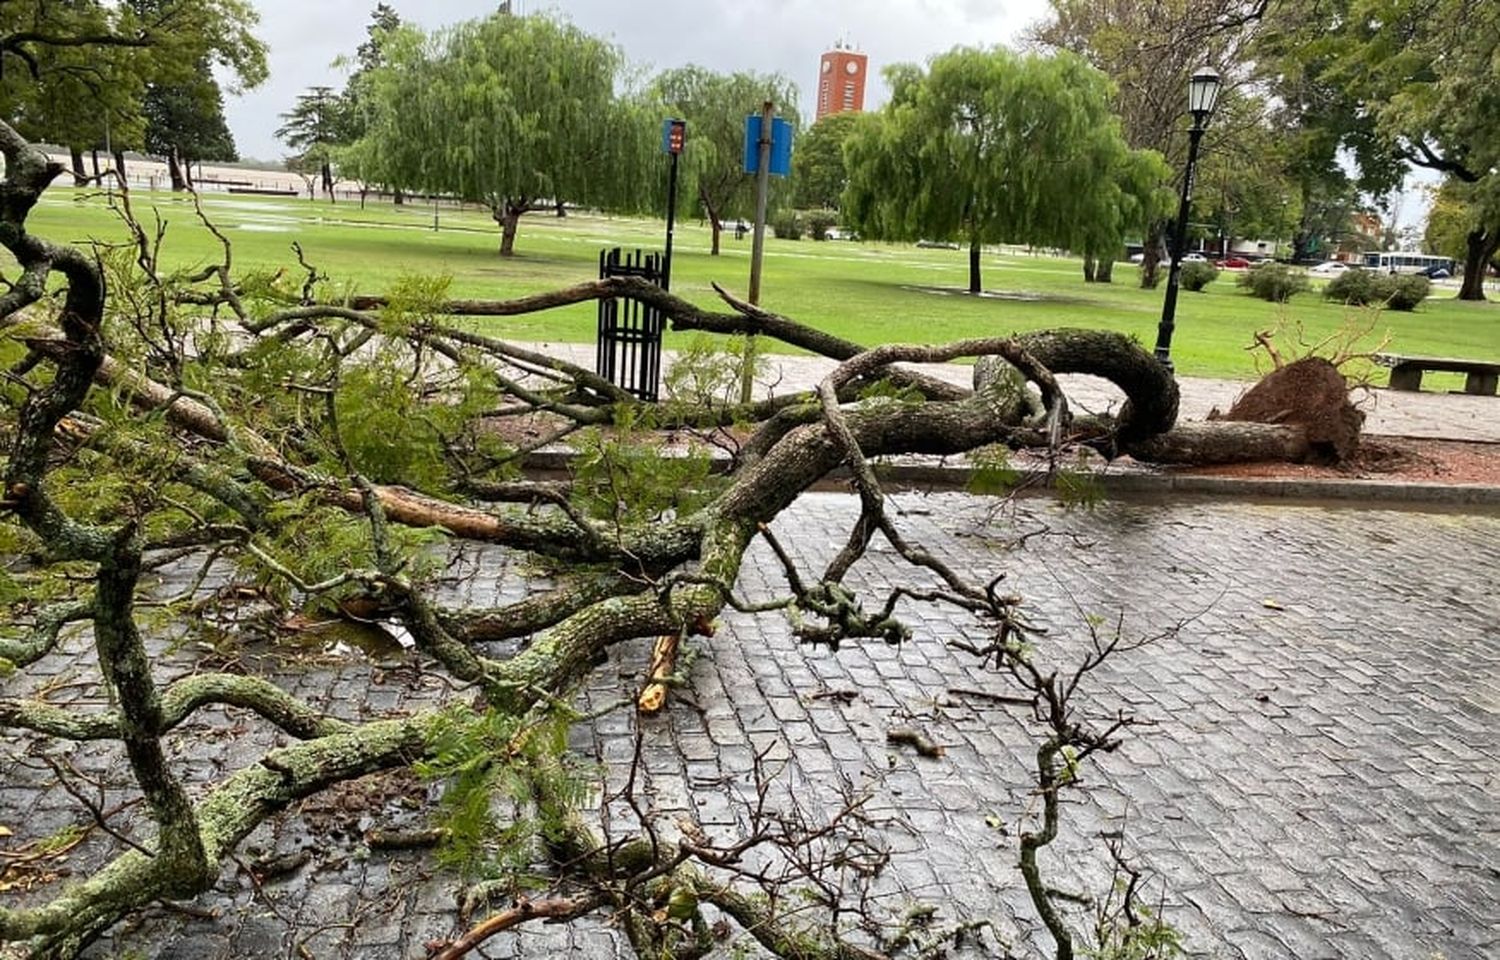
x,y
347,639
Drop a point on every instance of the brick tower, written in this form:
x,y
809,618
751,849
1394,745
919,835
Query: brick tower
x,y
841,80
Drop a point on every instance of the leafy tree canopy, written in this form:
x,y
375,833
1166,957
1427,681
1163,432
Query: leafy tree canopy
x,y
819,161
990,146
508,111
715,106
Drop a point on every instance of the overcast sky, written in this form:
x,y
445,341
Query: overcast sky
x,y
785,36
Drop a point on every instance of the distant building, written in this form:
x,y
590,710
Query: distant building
x,y
841,80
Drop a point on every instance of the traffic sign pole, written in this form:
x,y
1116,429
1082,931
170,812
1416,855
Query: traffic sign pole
x,y
757,249
674,136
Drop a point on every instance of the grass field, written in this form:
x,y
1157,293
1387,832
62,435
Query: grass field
x,y
868,292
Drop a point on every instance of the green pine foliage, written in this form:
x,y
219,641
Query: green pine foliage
x,y
623,476
508,783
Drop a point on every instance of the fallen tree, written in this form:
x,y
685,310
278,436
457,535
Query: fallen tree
x,y
331,449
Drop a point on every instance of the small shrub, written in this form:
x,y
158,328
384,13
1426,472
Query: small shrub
x,y
819,221
1275,282
1196,276
1353,286
787,226
1364,287
1406,292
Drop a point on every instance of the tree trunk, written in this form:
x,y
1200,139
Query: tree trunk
x,y
187,173
1480,249
120,164
715,225
95,153
397,197
974,280
562,210
326,170
1088,268
80,175
1222,441
1104,270
509,217
1151,255
174,170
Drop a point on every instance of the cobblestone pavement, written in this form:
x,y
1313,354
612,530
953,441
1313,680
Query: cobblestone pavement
x,y
1321,779
1430,415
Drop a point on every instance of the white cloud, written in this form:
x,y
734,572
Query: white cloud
x,y
785,36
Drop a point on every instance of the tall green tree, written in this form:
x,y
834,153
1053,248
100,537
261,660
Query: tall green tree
x,y
819,174
990,146
315,127
1149,49
351,156
185,123
1421,83
715,106
516,113
80,72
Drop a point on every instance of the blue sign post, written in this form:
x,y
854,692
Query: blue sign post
x,y
781,146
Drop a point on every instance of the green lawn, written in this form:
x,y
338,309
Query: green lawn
x,y
867,292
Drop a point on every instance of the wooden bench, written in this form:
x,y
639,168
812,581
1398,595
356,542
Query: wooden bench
x,y
1406,372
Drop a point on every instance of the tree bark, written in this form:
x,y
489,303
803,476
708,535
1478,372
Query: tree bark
x,y
1480,249
397,197
715,225
562,210
174,170
509,218
326,170
1151,255
80,175
1202,443
120,163
975,284
1088,268
1104,270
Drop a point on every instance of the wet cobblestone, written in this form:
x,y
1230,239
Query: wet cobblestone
x,y
1321,779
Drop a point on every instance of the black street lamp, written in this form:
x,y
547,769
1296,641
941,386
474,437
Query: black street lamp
x,y
1203,93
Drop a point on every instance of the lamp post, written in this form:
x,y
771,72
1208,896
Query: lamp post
x,y
1203,92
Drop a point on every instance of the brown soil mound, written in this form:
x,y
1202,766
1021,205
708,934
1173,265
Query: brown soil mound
x,y
1310,392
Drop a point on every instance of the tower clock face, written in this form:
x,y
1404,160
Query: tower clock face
x,y
827,65
852,67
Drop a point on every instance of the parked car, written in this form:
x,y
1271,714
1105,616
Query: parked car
x,y
1435,272
1194,258
937,244
1329,268
1233,263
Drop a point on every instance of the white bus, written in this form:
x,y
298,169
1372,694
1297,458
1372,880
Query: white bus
x,y
1404,262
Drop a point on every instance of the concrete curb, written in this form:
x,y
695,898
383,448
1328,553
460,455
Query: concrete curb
x,y
1133,484
1141,483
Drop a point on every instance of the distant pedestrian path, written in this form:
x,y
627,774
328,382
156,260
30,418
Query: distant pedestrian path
x,y
1430,416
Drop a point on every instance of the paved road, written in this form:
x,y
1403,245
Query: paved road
x,y
1321,781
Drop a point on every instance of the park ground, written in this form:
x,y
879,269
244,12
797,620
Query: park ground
x,y
867,292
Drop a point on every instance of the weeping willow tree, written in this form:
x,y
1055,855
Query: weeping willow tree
x,y
715,106
990,146
516,113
